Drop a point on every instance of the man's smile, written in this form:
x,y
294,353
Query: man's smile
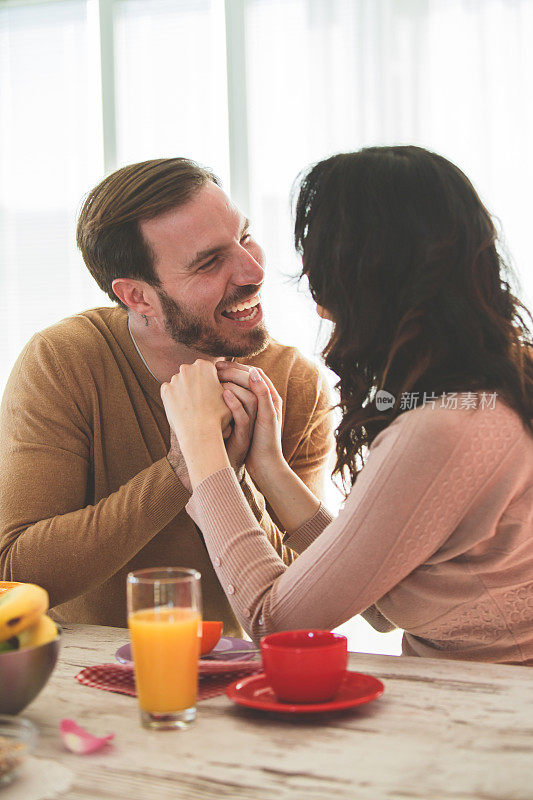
x,y
246,311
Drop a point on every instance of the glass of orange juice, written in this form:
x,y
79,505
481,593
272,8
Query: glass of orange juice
x,y
165,625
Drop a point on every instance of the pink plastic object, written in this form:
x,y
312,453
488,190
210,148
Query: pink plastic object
x,y
77,740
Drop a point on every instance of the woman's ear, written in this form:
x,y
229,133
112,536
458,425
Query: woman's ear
x,y
324,313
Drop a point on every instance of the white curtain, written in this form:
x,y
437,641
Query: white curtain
x,y
50,153
325,76
171,82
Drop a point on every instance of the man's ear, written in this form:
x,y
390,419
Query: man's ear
x,y
135,294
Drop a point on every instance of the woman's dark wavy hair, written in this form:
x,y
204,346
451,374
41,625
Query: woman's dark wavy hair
x,y
398,247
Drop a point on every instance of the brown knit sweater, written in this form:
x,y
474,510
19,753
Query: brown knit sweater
x,y
86,491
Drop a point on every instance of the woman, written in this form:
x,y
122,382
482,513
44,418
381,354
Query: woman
x,y
435,369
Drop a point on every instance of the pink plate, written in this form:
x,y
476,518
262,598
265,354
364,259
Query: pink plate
x,y
227,656
254,692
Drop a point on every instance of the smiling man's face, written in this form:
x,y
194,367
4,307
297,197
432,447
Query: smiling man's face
x,y
209,267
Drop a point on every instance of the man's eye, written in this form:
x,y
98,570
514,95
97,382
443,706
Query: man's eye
x,y
246,238
208,264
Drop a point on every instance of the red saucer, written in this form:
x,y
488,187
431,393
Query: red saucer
x,y
254,692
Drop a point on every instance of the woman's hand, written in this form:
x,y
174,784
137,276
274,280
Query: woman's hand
x,y
193,401
197,414
242,425
265,452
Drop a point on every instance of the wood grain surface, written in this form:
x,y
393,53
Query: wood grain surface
x,y
443,730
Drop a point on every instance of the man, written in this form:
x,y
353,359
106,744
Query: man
x,y
91,486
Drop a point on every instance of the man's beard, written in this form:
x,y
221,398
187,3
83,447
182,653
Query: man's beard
x,y
187,329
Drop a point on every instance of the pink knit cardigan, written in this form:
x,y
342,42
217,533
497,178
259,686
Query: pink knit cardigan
x,y
437,533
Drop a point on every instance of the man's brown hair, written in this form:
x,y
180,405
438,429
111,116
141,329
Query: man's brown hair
x,y
108,232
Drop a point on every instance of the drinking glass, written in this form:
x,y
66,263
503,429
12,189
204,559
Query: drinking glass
x,y
165,623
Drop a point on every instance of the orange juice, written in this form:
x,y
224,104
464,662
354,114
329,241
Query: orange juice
x,y
165,643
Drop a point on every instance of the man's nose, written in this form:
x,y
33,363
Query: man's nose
x,y
249,269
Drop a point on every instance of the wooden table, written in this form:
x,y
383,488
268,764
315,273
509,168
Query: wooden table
x,y
443,730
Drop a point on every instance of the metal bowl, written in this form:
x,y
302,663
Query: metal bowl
x,y
23,673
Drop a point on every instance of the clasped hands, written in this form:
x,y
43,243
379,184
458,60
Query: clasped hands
x,y
222,414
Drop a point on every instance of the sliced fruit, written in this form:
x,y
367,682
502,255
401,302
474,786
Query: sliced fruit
x,y
20,608
44,631
211,633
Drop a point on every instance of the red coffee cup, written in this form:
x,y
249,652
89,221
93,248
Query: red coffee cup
x,y
304,666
